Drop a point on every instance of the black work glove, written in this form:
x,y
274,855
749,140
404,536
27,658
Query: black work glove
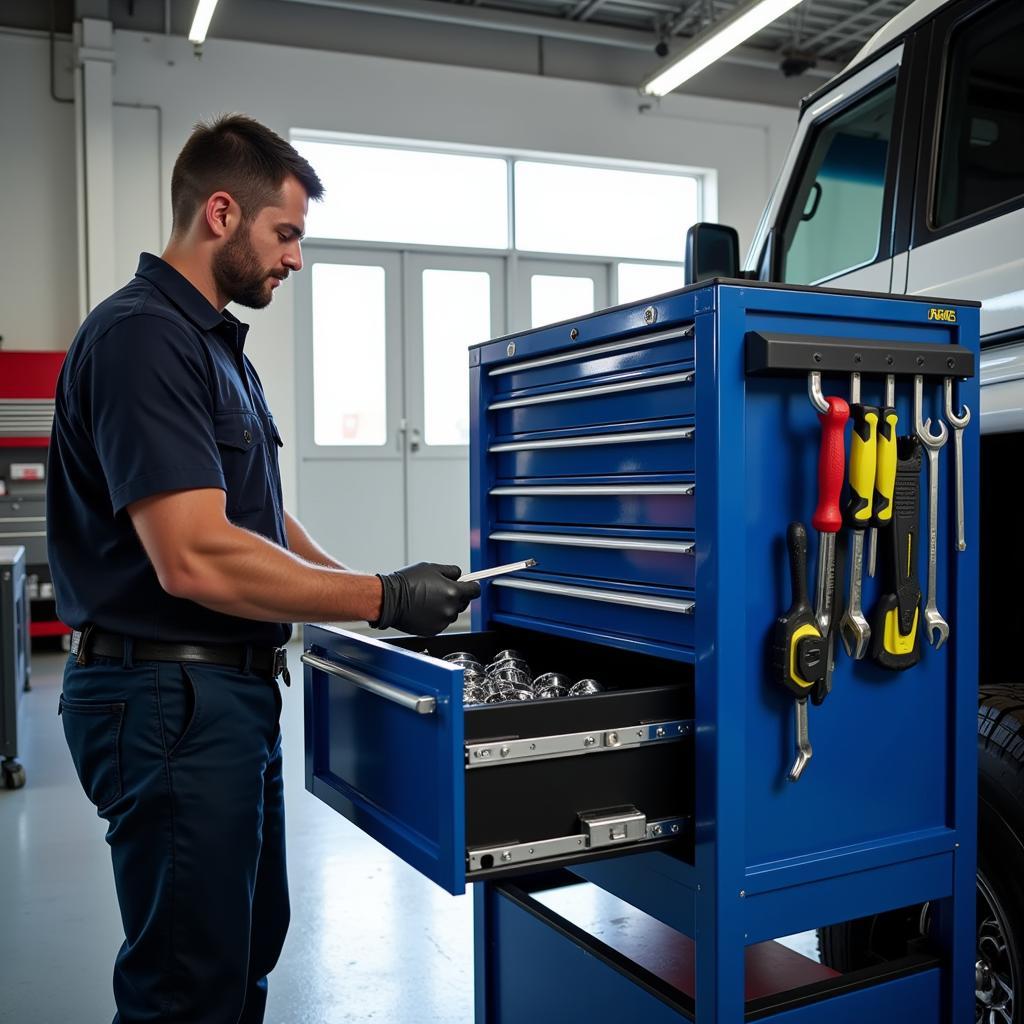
x,y
423,599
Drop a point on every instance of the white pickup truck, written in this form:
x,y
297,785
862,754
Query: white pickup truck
x,y
906,175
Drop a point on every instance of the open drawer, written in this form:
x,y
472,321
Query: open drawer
x,y
465,794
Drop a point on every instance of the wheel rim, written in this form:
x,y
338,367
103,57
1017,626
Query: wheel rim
x,y
995,972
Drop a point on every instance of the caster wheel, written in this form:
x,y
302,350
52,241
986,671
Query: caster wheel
x,y
14,775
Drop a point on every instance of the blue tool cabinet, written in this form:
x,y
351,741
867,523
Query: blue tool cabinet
x,y
653,478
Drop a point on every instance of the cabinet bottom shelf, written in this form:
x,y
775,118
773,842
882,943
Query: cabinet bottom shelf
x,y
589,955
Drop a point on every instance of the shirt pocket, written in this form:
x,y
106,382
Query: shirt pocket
x,y
240,441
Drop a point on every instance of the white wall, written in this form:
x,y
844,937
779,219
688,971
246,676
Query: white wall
x,y
299,88
38,228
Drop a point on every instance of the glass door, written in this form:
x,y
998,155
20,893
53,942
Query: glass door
x,y
351,468
550,291
451,302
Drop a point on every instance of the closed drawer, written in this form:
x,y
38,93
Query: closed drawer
x,y
620,610
660,450
662,395
645,352
659,560
656,505
464,794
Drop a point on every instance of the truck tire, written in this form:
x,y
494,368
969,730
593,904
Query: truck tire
x,y
1000,903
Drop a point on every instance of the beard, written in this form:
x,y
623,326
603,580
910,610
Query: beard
x,y
239,274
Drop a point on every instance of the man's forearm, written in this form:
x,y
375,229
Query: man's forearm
x,y
241,573
303,545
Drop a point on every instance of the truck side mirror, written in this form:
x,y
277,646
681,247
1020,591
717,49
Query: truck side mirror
x,y
712,250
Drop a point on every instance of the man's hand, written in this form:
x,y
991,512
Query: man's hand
x,y
424,599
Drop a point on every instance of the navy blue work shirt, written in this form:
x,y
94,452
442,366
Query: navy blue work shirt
x,y
155,395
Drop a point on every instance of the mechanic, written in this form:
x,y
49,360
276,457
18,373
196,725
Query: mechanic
x,y
180,571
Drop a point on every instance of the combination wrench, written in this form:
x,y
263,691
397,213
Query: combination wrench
x,y
958,422
938,628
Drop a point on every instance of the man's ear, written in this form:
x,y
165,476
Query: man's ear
x,y
222,214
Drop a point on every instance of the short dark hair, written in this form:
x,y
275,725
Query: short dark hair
x,y
240,156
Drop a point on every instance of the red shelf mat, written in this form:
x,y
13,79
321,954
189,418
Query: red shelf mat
x,y
48,629
771,967
29,374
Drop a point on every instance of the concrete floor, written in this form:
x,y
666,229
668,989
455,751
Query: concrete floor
x,y
370,940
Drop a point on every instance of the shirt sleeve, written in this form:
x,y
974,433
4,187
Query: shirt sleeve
x,y
145,396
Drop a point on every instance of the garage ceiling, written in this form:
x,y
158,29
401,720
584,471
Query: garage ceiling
x,y
830,30
607,41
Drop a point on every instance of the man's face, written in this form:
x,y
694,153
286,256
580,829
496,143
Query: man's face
x,y
261,254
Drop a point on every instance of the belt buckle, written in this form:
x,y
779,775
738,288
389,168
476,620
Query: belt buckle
x,y
281,666
80,644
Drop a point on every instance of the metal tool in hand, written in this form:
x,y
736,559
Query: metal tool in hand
x,y
937,627
854,628
833,412
498,570
798,648
958,421
885,471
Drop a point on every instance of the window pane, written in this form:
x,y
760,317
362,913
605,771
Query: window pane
x,y
349,369
456,314
554,298
642,280
398,195
596,211
981,157
836,219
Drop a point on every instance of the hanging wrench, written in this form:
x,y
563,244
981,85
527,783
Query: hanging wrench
x,y
957,422
854,628
938,628
833,412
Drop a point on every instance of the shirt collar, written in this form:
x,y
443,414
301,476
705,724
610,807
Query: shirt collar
x,y
187,297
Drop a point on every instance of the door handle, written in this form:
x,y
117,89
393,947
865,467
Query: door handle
x,y
415,439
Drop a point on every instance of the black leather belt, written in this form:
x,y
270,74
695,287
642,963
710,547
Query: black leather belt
x,y
265,661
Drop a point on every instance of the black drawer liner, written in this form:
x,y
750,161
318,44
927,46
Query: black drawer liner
x,y
534,800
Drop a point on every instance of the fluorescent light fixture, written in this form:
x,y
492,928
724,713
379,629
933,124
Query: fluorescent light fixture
x,y
201,22
718,41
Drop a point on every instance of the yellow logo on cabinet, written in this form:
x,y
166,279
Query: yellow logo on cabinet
x,y
948,315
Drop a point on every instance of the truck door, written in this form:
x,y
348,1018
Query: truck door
x,y
968,226
834,219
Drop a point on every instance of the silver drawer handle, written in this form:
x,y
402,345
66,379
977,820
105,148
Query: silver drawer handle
x,y
412,701
662,604
683,433
22,519
684,547
596,390
589,490
18,535
594,350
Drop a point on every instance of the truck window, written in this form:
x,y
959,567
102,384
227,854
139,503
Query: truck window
x,y
835,220
981,145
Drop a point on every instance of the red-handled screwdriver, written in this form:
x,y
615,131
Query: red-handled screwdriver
x,y
833,412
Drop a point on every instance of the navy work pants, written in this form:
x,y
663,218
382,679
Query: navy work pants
x,y
184,763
